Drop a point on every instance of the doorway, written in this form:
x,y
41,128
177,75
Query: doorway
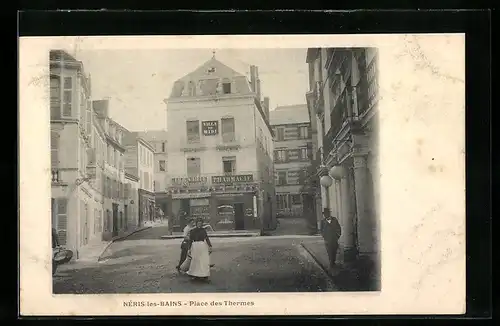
x,y
115,220
239,216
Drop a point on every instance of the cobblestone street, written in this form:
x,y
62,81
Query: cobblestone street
x,y
254,264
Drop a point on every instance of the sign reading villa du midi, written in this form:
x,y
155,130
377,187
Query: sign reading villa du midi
x,y
210,128
232,179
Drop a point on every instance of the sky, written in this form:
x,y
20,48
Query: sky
x,y
138,81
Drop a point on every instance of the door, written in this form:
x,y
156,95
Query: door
x,y
239,216
125,210
115,219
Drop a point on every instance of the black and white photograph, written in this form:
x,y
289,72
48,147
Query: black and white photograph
x,y
248,170
231,175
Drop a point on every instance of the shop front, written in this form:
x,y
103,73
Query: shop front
x,y
147,207
224,202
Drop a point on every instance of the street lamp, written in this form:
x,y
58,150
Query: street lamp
x,y
326,181
337,172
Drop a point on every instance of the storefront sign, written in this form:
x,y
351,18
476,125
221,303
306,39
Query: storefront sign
x,y
191,195
232,179
200,210
189,180
210,128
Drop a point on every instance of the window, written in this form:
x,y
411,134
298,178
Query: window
x,y
108,187
146,180
55,97
193,166
228,129
296,199
67,96
161,164
280,155
54,148
193,131
304,132
283,201
280,135
59,218
281,178
229,165
163,147
304,154
226,86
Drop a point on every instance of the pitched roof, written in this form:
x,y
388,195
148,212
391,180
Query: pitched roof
x,y
289,114
210,72
154,135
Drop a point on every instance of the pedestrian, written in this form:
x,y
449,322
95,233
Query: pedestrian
x,y
55,238
200,248
185,243
331,234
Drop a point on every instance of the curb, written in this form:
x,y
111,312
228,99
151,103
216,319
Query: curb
x,y
169,237
99,258
320,264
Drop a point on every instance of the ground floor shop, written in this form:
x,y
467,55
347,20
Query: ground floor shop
x,y
222,210
147,207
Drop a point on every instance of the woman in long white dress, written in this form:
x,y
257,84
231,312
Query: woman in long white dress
x,y
200,248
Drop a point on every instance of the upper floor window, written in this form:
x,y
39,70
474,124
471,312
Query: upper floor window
x,y
193,131
304,153
161,166
193,166
163,147
229,164
280,155
282,177
228,129
54,148
55,97
280,134
67,97
226,86
304,132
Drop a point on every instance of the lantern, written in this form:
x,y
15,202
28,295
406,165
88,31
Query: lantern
x,y
337,172
326,181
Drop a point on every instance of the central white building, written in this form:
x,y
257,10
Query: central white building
x,y
220,147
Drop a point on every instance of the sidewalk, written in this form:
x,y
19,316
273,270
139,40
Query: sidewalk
x,y
348,277
92,252
217,234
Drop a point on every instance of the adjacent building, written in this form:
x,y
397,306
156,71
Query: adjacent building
x,y
132,193
343,100
86,172
139,162
159,140
220,164
292,157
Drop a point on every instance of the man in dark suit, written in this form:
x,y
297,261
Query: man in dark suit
x,y
331,233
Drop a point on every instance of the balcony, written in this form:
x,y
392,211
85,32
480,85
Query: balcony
x,y
229,142
193,144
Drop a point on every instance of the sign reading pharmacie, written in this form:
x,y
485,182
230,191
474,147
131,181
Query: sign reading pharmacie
x,y
229,179
210,128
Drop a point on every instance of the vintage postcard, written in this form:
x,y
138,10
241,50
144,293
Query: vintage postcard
x,y
242,175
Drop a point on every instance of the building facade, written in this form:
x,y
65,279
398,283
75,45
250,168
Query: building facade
x,y
139,161
220,163
159,141
292,157
132,193
79,160
343,99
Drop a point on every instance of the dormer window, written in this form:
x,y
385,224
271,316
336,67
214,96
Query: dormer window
x,y
226,86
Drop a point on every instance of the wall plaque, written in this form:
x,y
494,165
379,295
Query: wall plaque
x,y
210,128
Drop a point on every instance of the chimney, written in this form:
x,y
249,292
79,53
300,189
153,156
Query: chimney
x,y
265,107
101,107
253,78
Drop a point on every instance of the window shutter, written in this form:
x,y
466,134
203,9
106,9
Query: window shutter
x,y
54,148
62,221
